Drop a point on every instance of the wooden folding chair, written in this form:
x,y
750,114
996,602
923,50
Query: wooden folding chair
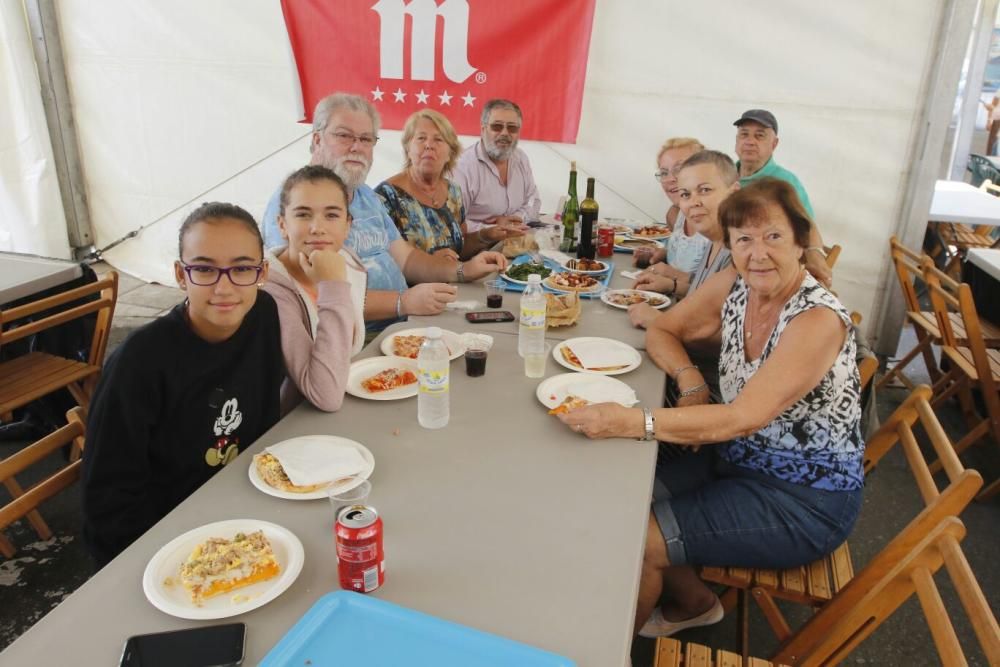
x,y
972,364
908,268
818,583
832,253
23,502
905,567
36,374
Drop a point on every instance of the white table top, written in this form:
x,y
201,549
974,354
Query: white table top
x,y
23,275
517,527
955,201
987,259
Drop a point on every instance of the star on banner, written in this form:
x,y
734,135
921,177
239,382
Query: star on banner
x,y
468,99
422,97
399,95
445,99
377,94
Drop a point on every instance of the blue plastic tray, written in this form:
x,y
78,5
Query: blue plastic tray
x,y
346,628
604,278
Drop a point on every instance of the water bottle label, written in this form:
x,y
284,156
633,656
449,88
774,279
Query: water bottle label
x,y
433,382
533,318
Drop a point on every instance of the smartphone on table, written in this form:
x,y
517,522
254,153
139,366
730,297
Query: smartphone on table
x,y
490,316
210,646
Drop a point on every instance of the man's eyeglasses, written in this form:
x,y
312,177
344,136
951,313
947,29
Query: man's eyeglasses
x,y
206,275
348,138
513,128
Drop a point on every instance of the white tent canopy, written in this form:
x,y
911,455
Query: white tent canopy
x,y
183,102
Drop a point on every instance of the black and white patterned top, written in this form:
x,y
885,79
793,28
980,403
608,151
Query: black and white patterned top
x,y
817,441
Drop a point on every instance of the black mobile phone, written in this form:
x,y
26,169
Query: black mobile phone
x,y
535,224
490,316
211,646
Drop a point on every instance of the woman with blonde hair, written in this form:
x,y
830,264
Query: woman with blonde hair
x,y
427,207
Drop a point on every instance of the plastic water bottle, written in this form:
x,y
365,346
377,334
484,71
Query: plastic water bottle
x,y
433,368
531,328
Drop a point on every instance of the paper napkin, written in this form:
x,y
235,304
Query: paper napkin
x,y
317,460
599,354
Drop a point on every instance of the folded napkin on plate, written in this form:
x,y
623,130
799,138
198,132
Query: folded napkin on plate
x,y
314,461
598,354
631,275
467,304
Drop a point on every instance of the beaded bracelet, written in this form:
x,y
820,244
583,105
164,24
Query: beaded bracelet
x,y
693,390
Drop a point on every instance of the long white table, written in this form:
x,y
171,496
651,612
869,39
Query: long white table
x,y
23,275
955,201
505,521
987,259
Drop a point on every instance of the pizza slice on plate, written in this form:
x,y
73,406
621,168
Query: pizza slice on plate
x,y
387,380
568,404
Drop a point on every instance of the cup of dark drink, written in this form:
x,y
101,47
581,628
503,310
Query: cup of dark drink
x,y
494,293
641,257
477,346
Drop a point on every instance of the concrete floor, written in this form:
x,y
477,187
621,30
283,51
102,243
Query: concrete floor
x,y
44,572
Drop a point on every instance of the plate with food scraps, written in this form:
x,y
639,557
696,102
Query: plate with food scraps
x,y
343,484
573,281
578,389
523,270
383,378
584,265
615,357
651,232
164,588
629,244
623,298
406,343
621,225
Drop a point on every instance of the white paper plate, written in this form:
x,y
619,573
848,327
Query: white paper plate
x,y
606,297
176,601
593,273
636,357
355,480
597,287
365,368
629,244
595,388
524,282
451,339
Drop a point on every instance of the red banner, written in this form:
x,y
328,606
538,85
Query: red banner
x,y
451,56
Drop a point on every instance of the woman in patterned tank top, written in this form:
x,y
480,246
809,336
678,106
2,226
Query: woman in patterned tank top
x,y
780,484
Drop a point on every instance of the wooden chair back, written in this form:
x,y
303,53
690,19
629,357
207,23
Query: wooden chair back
x,y
107,291
906,566
24,502
832,254
908,266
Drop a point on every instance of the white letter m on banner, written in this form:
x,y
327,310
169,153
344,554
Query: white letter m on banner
x,y
424,14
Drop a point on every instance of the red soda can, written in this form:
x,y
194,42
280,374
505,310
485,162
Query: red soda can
x,y
605,241
360,559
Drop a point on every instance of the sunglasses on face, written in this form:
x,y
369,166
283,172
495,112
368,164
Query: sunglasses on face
x,y
512,128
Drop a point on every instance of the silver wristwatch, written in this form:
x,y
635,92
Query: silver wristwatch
x,y
460,272
650,422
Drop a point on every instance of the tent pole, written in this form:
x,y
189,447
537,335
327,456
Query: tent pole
x,y
44,26
978,55
930,129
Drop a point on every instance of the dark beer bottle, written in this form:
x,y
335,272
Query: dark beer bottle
x,y
588,223
570,214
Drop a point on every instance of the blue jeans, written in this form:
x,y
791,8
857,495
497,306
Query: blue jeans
x,y
717,514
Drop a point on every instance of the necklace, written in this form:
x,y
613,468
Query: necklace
x,y
751,327
430,194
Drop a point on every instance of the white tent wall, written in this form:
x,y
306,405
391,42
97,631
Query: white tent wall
x,y
31,213
183,102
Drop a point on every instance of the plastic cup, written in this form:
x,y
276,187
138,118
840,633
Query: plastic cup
x,y
642,257
534,364
494,293
475,359
349,497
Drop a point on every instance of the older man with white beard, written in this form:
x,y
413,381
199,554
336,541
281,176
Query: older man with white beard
x,y
494,174
345,131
